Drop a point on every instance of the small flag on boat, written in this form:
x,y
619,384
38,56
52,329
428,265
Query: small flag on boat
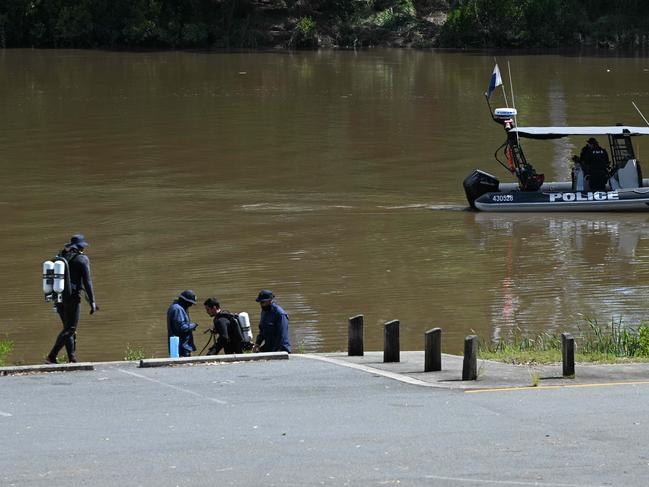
x,y
495,81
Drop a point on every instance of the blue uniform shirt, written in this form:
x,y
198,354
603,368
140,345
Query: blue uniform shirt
x,y
178,324
273,330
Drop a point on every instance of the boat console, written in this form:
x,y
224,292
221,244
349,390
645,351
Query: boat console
x,y
628,175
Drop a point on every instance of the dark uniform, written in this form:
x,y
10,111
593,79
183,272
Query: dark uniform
x,y
594,162
78,278
229,336
273,325
178,323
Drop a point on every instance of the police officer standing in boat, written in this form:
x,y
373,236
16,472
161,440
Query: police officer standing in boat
x,y
80,278
273,325
594,162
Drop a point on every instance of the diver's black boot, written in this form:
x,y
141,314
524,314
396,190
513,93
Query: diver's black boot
x,y
71,349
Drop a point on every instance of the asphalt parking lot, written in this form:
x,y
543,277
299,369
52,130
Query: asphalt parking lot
x,y
306,421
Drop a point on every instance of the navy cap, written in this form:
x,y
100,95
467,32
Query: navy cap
x,y
188,295
78,241
265,295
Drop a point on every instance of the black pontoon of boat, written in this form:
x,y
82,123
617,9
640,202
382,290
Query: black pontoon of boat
x,y
625,189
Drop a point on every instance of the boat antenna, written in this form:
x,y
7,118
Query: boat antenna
x,y
511,85
511,88
489,105
643,117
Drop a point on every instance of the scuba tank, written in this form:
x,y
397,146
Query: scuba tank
x,y
244,324
55,275
48,279
59,279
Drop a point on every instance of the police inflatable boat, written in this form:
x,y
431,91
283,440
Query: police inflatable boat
x,y
624,189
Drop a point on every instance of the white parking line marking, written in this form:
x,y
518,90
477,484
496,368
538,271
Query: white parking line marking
x,y
187,391
503,482
371,370
6,415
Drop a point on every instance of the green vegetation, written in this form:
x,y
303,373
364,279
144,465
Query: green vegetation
x,y
208,24
134,353
304,34
6,346
535,377
593,343
62,359
213,24
546,23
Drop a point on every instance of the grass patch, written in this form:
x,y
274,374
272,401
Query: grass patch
x,y
595,343
134,353
6,346
301,347
535,377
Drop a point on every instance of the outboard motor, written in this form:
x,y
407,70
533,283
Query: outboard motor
x,y
478,183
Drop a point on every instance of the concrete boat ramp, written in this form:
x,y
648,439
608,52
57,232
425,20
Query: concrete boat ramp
x,y
324,419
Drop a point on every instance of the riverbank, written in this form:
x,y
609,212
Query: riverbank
x,y
261,24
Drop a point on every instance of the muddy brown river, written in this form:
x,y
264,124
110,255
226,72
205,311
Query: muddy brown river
x,y
333,178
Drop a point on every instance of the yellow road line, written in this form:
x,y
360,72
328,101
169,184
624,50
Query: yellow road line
x,y
567,386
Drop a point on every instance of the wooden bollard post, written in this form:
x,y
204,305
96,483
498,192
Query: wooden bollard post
x,y
470,364
391,341
355,336
568,354
433,350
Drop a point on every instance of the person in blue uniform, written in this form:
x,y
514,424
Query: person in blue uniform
x,y
273,325
78,279
179,324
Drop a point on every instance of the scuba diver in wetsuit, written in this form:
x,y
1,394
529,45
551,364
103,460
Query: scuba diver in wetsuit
x,y
80,278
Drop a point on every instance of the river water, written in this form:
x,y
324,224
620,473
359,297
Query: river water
x,y
333,178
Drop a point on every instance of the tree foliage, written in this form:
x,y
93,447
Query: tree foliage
x,y
122,23
256,23
546,23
